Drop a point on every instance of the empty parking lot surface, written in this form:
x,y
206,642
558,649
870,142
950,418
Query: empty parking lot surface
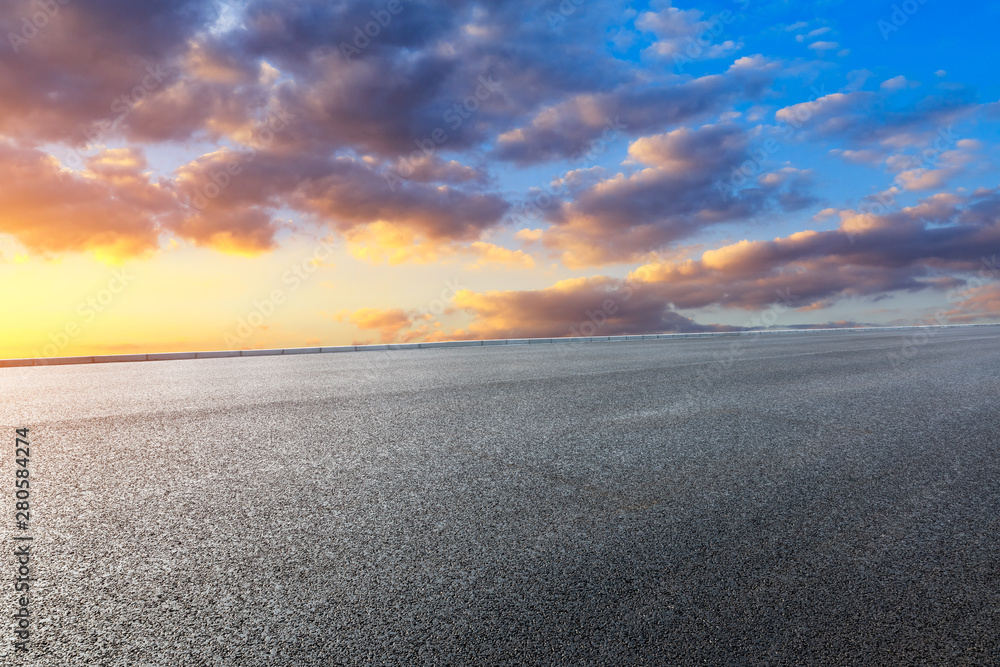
x,y
829,498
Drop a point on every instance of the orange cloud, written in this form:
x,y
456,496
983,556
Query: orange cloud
x,y
489,253
112,208
600,306
976,305
382,241
529,235
389,322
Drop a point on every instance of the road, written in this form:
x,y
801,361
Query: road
x,y
795,500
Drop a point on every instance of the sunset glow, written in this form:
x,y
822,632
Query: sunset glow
x,y
182,175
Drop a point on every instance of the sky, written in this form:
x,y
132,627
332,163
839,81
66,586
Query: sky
x,y
184,175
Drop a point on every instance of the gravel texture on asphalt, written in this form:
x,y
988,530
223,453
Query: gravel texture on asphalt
x,y
825,499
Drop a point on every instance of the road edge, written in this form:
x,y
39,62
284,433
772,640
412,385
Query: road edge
x,y
221,354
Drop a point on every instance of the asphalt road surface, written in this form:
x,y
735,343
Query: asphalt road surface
x,y
799,500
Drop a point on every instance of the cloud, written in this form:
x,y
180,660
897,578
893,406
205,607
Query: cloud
x,y
933,168
492,254
976,305
672,22
390,323
684,188
899,83
384,93
350,194
219,63
233,197
824,46
863,118
177,75
907,250
433,169
686,35
863,156
569,128
90,62
598,306
112,208
383,242
913,249
529,235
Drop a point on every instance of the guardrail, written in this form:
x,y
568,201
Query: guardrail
x,y
221,354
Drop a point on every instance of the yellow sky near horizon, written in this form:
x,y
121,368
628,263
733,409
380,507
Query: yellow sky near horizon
x,y
187,298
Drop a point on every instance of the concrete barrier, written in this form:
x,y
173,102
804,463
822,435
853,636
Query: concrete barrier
x,y
171,356
218,354
60,361
113,358
452,343
11,363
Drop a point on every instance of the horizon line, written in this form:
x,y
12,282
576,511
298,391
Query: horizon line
x,y
222,354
